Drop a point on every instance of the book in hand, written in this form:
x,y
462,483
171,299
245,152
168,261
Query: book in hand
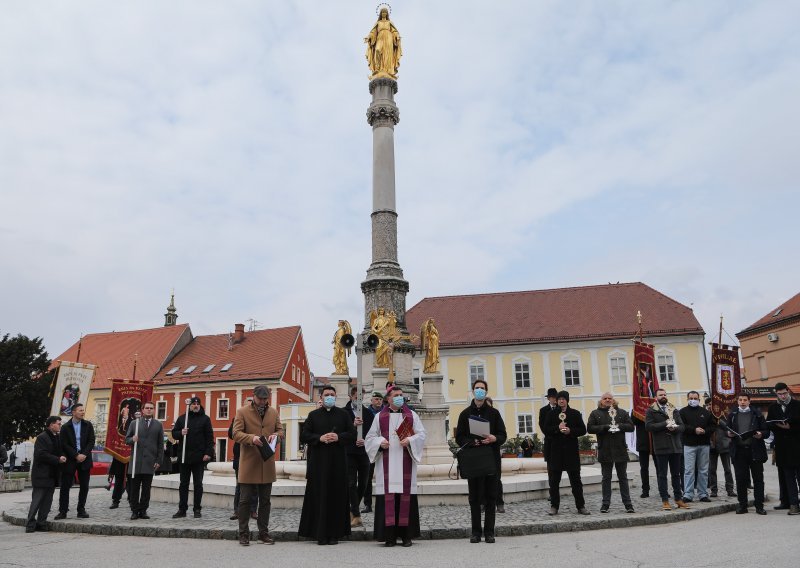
x,y
404,430
267,449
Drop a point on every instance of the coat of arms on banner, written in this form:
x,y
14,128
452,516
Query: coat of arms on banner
x,y
725,374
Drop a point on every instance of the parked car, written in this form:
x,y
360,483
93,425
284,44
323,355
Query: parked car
x,y
101,462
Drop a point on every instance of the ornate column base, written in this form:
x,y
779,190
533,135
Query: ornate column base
x,y
436,449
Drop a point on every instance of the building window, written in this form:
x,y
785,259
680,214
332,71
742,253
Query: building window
x,y
524,424
762,367
161,410
572,372
619,371
522,375
666,368
222,409
476,373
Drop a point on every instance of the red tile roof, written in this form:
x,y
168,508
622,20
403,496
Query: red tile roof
x,y
114,352
562,314
788,310
262,354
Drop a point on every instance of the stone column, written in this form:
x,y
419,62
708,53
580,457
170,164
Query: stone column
x,y
385,286
433,413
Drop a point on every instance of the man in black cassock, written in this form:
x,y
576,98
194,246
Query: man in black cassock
x,y
326,432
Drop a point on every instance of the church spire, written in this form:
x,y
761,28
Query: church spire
x,y
171,317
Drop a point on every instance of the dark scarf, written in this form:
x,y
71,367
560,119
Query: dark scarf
x,y
405,497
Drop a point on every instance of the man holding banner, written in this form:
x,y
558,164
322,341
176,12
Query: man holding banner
x,y
146,435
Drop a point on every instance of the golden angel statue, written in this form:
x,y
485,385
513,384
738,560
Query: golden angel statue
x,y
383,47
340,352
430,343
380,325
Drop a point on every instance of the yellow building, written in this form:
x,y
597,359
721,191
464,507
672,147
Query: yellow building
x,y
573,339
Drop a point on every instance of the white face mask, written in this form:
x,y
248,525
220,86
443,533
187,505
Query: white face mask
x,y
694,403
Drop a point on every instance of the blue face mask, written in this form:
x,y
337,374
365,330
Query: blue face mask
x,y
398,400
479,393
329,401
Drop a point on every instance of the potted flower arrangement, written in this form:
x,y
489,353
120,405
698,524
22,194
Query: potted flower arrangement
x,y
587,450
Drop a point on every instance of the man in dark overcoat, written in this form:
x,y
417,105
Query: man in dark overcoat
x,y
612,449
148,441
784,417
45,474
565,425
198,435
77,443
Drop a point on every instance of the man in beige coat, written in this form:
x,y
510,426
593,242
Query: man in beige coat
x,y
254,423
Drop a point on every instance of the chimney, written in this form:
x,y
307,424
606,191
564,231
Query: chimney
x,y
238,334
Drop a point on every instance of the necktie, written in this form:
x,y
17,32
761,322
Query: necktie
x,y
147,424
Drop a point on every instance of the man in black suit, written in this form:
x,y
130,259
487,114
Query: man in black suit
x,y
544,412
77,442
47,460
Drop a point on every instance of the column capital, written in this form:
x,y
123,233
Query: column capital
x,y
383,82
383,114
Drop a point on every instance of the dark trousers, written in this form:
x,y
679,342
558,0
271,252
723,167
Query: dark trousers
x,y
554,474
644,470
264,492
673,463
790,476
368,488
712,471
622,477
41,501
483,491
357,473
195,471
120,487
139,491
67,479
744,466
237,494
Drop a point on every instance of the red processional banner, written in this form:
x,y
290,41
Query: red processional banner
x,y
726,380
645,380
127,398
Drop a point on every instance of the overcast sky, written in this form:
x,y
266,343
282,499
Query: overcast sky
x,y
222,148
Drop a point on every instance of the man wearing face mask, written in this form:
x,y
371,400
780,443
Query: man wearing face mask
x,y
784,417
565,426
482,489
664,422
747,430
698,425
395,444
255,424
326,506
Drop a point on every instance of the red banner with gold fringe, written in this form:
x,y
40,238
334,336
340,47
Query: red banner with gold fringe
x,y
726,378
127,398
645,379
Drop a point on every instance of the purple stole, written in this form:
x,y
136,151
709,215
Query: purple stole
x,y
405,497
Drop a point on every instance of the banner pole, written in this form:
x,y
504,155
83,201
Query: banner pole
x,y
185,425
135,446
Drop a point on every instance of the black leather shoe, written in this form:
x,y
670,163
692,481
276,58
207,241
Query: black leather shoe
x,y
42,527
143,515
322,542
687,500
366,510
474,539
489,539
501,508
30,529
197,514
179,515
781,507
114,505
741,510
333,541
60,516
645,494
604,509
134,515
389,543
761,511
83,515
732,494
407,542
705,500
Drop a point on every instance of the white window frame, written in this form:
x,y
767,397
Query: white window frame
x,y
219,408
522,361
571,356
526,416
161,404
617,355
476,363
667,353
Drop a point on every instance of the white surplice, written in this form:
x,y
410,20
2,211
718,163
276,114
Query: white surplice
x,y
372,443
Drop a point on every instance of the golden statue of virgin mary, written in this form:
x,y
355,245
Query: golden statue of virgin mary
x,y
383,47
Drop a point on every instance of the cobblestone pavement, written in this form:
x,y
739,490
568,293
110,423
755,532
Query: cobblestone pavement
x,y
529,517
